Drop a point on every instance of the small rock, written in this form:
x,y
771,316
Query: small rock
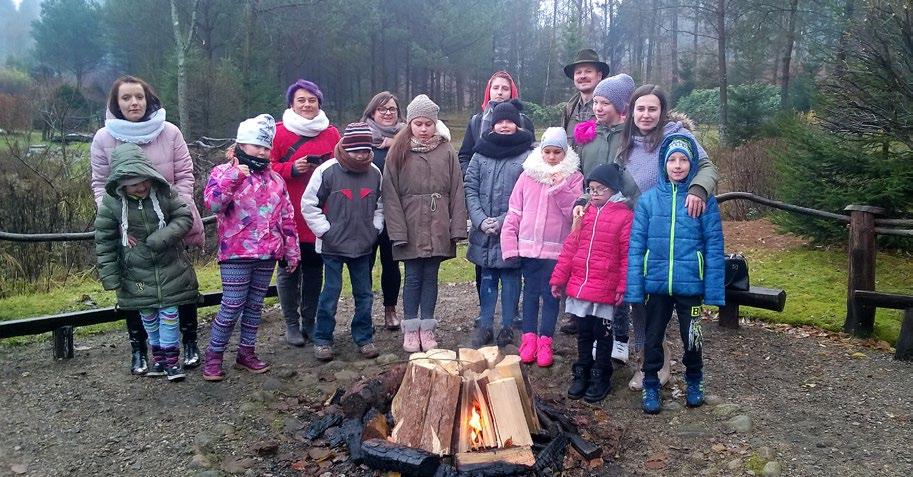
x,y
204,440
19,469
249,407
772,469
318,454
326,474
334,366
698,455
224,429
734,464
387,358
200,461
346,375
858,355
726,410
286,372
291,425
271,384
740,424
713,399
261,396
237,466
766,453
264,448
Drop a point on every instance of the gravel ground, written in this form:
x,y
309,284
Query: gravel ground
x,y
816,403
802,400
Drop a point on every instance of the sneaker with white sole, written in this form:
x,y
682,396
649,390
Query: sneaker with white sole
x,y
620,351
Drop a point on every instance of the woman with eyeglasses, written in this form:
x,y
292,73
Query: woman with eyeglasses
x,y
385,119
304,139
647,124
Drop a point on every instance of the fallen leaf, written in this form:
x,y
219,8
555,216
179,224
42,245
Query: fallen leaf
x,y
718,447
656,462
300,465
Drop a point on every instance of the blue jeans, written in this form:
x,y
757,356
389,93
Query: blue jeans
x,y
420,287
536,274
360,276
488,295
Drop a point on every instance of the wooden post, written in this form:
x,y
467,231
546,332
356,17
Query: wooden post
x,y
729,315
860,317
904,349
63,342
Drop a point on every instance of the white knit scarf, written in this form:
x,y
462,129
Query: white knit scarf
x,y
142,132
303,126
123,215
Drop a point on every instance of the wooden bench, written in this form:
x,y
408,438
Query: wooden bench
x,y
904,347
757,297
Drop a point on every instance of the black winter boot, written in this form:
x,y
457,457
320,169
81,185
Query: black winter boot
x,y
600,384
139,364
188,322
580,381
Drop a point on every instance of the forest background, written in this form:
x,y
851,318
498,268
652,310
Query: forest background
x,y
805,101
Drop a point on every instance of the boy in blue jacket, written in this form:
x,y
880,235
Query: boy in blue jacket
x,y
674,260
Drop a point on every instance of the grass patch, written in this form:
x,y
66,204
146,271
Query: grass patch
x,y
816,284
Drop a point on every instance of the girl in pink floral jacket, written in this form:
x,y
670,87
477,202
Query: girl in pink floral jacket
x,y
256,228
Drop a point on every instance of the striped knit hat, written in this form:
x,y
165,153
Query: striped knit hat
x,y
357,137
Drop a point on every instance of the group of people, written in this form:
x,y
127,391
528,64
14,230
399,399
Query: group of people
x,y
611,214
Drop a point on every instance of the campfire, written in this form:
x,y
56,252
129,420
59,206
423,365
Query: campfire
x,y
471,411
470,401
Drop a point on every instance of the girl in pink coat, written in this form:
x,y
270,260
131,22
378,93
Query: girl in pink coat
x,y
592,273
537,222
256,228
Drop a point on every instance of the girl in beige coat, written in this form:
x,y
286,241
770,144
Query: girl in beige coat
x,y
425,213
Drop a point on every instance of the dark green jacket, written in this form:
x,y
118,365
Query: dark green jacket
x,y
156,272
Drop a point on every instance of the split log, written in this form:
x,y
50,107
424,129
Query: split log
x,y
556,415
437,429
509,367
472,359
510,420
383,455
411,402
492,355
375,392
316,428
469,461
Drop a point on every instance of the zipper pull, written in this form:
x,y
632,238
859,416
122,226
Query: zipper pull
x,y
140,205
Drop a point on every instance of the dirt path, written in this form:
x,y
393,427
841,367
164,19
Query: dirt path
x,y
814,402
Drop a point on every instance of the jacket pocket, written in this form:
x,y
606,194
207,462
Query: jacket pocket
x,y
700,264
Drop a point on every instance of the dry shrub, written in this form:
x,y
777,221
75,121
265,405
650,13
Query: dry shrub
x,y
747,168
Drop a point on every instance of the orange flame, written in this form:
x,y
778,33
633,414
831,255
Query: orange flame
x,y
475,423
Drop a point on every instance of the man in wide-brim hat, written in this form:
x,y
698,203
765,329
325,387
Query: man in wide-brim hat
x,y
587,70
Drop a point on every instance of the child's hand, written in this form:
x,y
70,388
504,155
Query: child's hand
x,y
131,241
556,291
302,165
245,171
557,178
291,266
578,211
619,298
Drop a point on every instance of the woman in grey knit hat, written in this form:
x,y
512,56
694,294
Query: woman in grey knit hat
x,y
425,214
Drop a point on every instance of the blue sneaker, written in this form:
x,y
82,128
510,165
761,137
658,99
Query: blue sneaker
x,y
694,393
652,399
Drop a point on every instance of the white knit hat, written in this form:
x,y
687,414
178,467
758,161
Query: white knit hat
x,y
554,136
258,131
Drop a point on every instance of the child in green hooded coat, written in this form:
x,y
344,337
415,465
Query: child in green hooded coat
x,y
138,233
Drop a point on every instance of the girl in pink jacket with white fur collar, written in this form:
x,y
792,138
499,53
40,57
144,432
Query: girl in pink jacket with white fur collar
x,y
537,222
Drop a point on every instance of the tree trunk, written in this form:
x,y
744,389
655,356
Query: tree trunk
x,y
182,46
697,28
721,59
674,44
788,54
551,50
840,64
252,7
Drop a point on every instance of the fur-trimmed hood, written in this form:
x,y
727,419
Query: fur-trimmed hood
x,y
680,117
536,167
